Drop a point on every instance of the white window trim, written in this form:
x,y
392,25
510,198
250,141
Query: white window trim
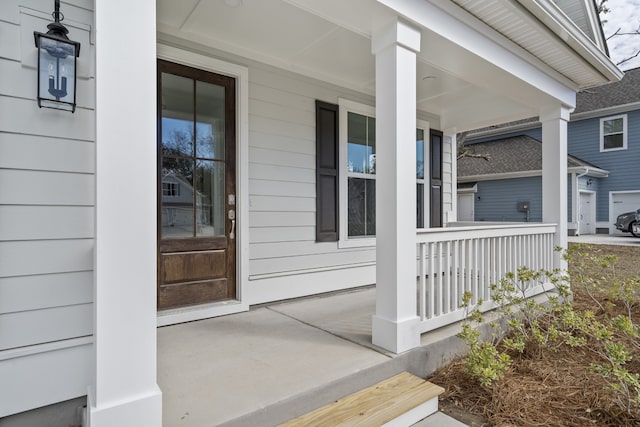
x,y
346,106
624,133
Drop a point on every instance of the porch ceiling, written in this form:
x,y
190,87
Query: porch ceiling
x,y
330,41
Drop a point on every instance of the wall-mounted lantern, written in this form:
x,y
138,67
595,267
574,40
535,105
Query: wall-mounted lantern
x,y
56,65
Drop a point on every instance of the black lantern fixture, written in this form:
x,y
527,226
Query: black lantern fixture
x,y
56,65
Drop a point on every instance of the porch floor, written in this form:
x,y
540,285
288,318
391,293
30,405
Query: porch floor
x,y
278,361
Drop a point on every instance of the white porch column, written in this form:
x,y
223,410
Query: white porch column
x,y
554,174
395,321
125,391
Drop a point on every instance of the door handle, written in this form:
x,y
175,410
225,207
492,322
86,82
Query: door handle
x,y
232,233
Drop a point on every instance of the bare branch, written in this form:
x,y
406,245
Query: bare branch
x,y
629,58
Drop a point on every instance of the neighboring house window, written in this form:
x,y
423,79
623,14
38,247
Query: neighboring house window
x,y
358,174
170,189
613,133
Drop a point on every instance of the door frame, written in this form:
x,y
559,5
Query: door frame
x,y
241,74
592,196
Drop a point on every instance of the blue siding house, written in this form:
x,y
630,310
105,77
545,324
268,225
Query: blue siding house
x,y
500,174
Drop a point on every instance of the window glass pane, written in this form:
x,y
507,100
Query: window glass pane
x,y
612,126
361,147
419,154
362,207
210,138
177,198
177,115
210,197
613,141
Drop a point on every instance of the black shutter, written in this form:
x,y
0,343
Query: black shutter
x,y
435,178
326,172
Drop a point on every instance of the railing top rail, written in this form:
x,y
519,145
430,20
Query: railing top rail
x,y
426,235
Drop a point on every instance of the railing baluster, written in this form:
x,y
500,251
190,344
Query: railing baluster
x,y
438,274
455,272
447,278
432,284
422,282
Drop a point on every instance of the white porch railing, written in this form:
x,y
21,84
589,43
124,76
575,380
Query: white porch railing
x,y
458,258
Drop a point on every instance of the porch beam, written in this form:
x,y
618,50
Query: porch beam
x,y
395,322
125,391
554,174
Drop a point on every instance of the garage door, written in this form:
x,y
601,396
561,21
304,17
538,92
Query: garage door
x,y
620,203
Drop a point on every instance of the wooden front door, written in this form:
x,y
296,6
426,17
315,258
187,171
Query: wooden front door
x,y
196,186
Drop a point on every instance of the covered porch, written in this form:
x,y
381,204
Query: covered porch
x,y
279,361
454,65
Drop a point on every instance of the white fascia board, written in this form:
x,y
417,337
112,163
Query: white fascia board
x,y
499,176
591,171
609,111
506,129
465,30
554,18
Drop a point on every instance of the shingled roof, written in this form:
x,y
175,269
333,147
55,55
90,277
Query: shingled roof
x,y
508,155
626,91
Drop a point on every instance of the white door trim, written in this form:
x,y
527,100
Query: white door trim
x,y
241,74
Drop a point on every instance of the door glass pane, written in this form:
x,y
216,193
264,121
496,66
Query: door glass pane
x,y
177,198
210,198
210,137
362,207
177,115
361,148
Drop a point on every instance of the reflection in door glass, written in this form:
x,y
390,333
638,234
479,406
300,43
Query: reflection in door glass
x,y
193,155
210,219
177,115
210,121
177,197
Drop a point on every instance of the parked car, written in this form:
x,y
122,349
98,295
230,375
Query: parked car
x,y
629,222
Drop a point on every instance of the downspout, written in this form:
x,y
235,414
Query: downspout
x,y
576,197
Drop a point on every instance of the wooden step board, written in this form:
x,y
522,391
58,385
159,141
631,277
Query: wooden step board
x,y
402,400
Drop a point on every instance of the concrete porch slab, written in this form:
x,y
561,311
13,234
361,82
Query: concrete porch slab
x,y
215,370
276,362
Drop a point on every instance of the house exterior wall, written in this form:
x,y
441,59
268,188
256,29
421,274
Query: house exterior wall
x,y
46,216
584,142
497,200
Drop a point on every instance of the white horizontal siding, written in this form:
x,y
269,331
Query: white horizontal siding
x,y
45,222
24,116
281,173
27,187
26,328
20,151
26,258
273,219
44,377
282,234
308,262
282,204
24,293
282,185
47,162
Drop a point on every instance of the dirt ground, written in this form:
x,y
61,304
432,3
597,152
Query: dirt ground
x,y
556,389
